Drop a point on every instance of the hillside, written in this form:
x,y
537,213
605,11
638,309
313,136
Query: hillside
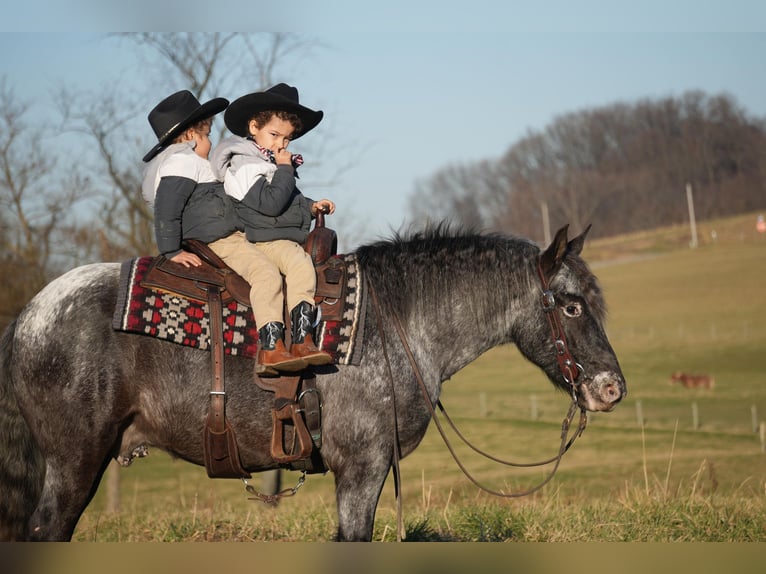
x,y
630,246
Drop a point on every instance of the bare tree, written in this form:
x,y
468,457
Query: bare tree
x,y
114,119
623,166
36,203
123,222
460,194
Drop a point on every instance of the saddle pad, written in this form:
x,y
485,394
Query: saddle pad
x,y
344,338
177,319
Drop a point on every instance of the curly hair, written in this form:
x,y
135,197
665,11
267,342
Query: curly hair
x,y
198,127
263,117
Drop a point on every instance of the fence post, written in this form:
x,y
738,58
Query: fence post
x,y
271,483
692,219
113,502
763,437
695,416
639,413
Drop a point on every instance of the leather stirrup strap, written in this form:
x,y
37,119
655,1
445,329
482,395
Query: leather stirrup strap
x,y
219,442
217,413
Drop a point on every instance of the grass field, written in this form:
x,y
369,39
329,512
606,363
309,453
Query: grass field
x,y
668,464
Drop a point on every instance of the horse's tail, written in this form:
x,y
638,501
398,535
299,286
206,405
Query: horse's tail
x,y
22,468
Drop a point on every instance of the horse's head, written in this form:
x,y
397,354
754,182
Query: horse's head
x,y
576,353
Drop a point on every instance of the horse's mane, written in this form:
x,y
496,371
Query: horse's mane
x,y
433,259
442,260
435,237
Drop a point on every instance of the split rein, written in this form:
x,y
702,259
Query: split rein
x,y
570,371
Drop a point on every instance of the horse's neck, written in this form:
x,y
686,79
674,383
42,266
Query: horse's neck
x,y
469,317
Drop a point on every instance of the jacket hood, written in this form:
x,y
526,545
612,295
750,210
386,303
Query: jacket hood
x,y
220,157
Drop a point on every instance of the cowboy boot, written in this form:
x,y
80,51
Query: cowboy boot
x,y
302,317
272,354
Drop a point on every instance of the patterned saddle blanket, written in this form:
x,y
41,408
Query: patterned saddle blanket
x,y
179,319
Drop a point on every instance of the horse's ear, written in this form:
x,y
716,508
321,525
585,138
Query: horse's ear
x,y
550,260
575,246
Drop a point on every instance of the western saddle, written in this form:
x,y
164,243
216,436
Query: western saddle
x,y
296,413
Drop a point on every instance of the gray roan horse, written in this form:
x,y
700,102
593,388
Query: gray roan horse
x,y
74,393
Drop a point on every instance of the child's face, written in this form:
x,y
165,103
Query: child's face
x,y
274,134
201,135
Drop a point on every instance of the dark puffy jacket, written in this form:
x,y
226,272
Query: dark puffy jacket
x,y
188,202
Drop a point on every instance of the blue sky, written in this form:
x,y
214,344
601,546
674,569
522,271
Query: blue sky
x,y
436,91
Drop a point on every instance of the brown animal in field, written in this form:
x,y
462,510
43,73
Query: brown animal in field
x,y
692,381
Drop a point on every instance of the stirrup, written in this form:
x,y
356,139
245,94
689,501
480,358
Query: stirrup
x,y
289,412
286,410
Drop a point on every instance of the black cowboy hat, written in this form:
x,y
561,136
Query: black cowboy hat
x,y
177,112
278,98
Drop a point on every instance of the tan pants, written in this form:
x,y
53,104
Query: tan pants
x,y
263,265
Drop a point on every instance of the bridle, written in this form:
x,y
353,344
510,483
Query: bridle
x,y
570,371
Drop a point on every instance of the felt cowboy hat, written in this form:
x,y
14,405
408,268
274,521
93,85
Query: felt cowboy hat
x,y
278,98
176,113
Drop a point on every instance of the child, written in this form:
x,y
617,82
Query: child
x,y
259,174
188,201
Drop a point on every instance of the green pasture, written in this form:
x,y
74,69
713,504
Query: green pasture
x,y
668,464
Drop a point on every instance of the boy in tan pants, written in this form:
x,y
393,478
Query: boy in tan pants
x,y
259,175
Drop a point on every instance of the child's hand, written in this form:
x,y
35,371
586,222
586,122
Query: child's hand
x,y
186,259
283,157
323,205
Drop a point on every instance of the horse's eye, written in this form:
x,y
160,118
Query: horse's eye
x,y
573,310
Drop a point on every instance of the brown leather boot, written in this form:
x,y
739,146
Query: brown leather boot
x,y
273,357
302,317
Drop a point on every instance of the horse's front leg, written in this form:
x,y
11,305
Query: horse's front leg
x,y
358,485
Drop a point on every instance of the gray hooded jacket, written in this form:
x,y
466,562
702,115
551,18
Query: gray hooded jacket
x,y
264,194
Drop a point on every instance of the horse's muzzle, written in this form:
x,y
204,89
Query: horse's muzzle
x,y
602,392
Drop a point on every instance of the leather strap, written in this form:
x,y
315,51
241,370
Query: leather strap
x,y
569,367
216,414
396,454
219,442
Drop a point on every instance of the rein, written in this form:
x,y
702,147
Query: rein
x,y
570,371
566,363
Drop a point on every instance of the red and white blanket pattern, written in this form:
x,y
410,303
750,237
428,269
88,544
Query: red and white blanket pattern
x,y
184,321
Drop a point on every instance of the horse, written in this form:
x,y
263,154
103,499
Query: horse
x,y
75,393
692,381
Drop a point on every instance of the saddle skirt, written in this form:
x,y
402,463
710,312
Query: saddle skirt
x,y
162,299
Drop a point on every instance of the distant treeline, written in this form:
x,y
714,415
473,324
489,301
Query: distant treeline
x,y
623,167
